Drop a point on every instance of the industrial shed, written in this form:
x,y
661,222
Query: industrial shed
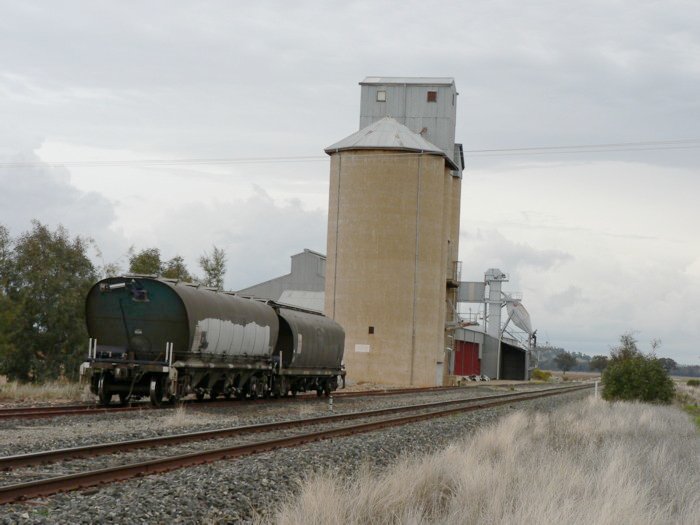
x,y
476,353
303,286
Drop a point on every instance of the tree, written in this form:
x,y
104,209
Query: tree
x,y
598,362
145,262
565,361
668,364
7,307
214,267
640,378
175,269
111,270
45,284
5,257
627,348
148,262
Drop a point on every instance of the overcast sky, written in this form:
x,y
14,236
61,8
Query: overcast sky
x,y
599,243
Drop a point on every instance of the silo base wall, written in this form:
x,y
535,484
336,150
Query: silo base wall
x,y
386,270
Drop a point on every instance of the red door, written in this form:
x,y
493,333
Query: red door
x,y
466,359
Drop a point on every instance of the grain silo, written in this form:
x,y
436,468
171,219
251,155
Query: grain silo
x,y
393,232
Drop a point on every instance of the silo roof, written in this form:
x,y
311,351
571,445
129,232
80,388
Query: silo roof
x,y
427,81
388,134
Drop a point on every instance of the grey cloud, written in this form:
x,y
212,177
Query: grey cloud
x,y
565,299
45,194
173,79
198,80
258,235
482,249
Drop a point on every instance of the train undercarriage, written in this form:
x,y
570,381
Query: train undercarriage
x,y
171,382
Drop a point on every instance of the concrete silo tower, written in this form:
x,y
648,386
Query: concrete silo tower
x,y
393,232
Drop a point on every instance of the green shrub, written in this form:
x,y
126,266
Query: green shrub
x,y
693,382
541,375
637,378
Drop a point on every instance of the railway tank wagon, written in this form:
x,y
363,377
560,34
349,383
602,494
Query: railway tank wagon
x,y
164,338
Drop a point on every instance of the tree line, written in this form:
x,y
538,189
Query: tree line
x,y
45,276
628,373
555,358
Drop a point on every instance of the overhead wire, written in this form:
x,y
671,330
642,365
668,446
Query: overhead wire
x,y
613,147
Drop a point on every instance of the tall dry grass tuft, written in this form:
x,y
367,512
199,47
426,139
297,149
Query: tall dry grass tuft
x,y
181,417
590,462
50,391
688,397
178,418
687,394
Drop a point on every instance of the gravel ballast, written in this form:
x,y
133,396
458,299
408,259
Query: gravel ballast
x,y
21,436
238,490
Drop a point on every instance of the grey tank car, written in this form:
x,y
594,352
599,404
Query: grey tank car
x,y
164,339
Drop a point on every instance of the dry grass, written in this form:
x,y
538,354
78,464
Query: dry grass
x,y
181,417
588,463
688,397
575,376
688,394
51,391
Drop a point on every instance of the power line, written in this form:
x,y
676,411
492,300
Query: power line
x,y
161,162
591,146
612,147
520,153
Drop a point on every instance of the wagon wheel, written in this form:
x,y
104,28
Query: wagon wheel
x,y
253,388
156,392
274,391
283,387
104,396
327,389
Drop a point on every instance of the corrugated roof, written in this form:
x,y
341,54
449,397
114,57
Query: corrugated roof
x,y
428,81
387,133
303,299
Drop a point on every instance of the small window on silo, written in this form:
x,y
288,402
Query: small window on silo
x,y
432,96
381,96
371,329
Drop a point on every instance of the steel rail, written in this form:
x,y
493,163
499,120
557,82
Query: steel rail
x,y
390,391
47,408
48,456
41,412
45,487
88,409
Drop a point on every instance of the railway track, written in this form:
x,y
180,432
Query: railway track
x,y
381,418
88,409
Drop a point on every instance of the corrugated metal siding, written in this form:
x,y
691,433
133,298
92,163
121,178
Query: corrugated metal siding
x,y
409,106
466,359
308,274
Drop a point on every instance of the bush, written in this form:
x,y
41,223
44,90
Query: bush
x,y
637,378
541,375
693,382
